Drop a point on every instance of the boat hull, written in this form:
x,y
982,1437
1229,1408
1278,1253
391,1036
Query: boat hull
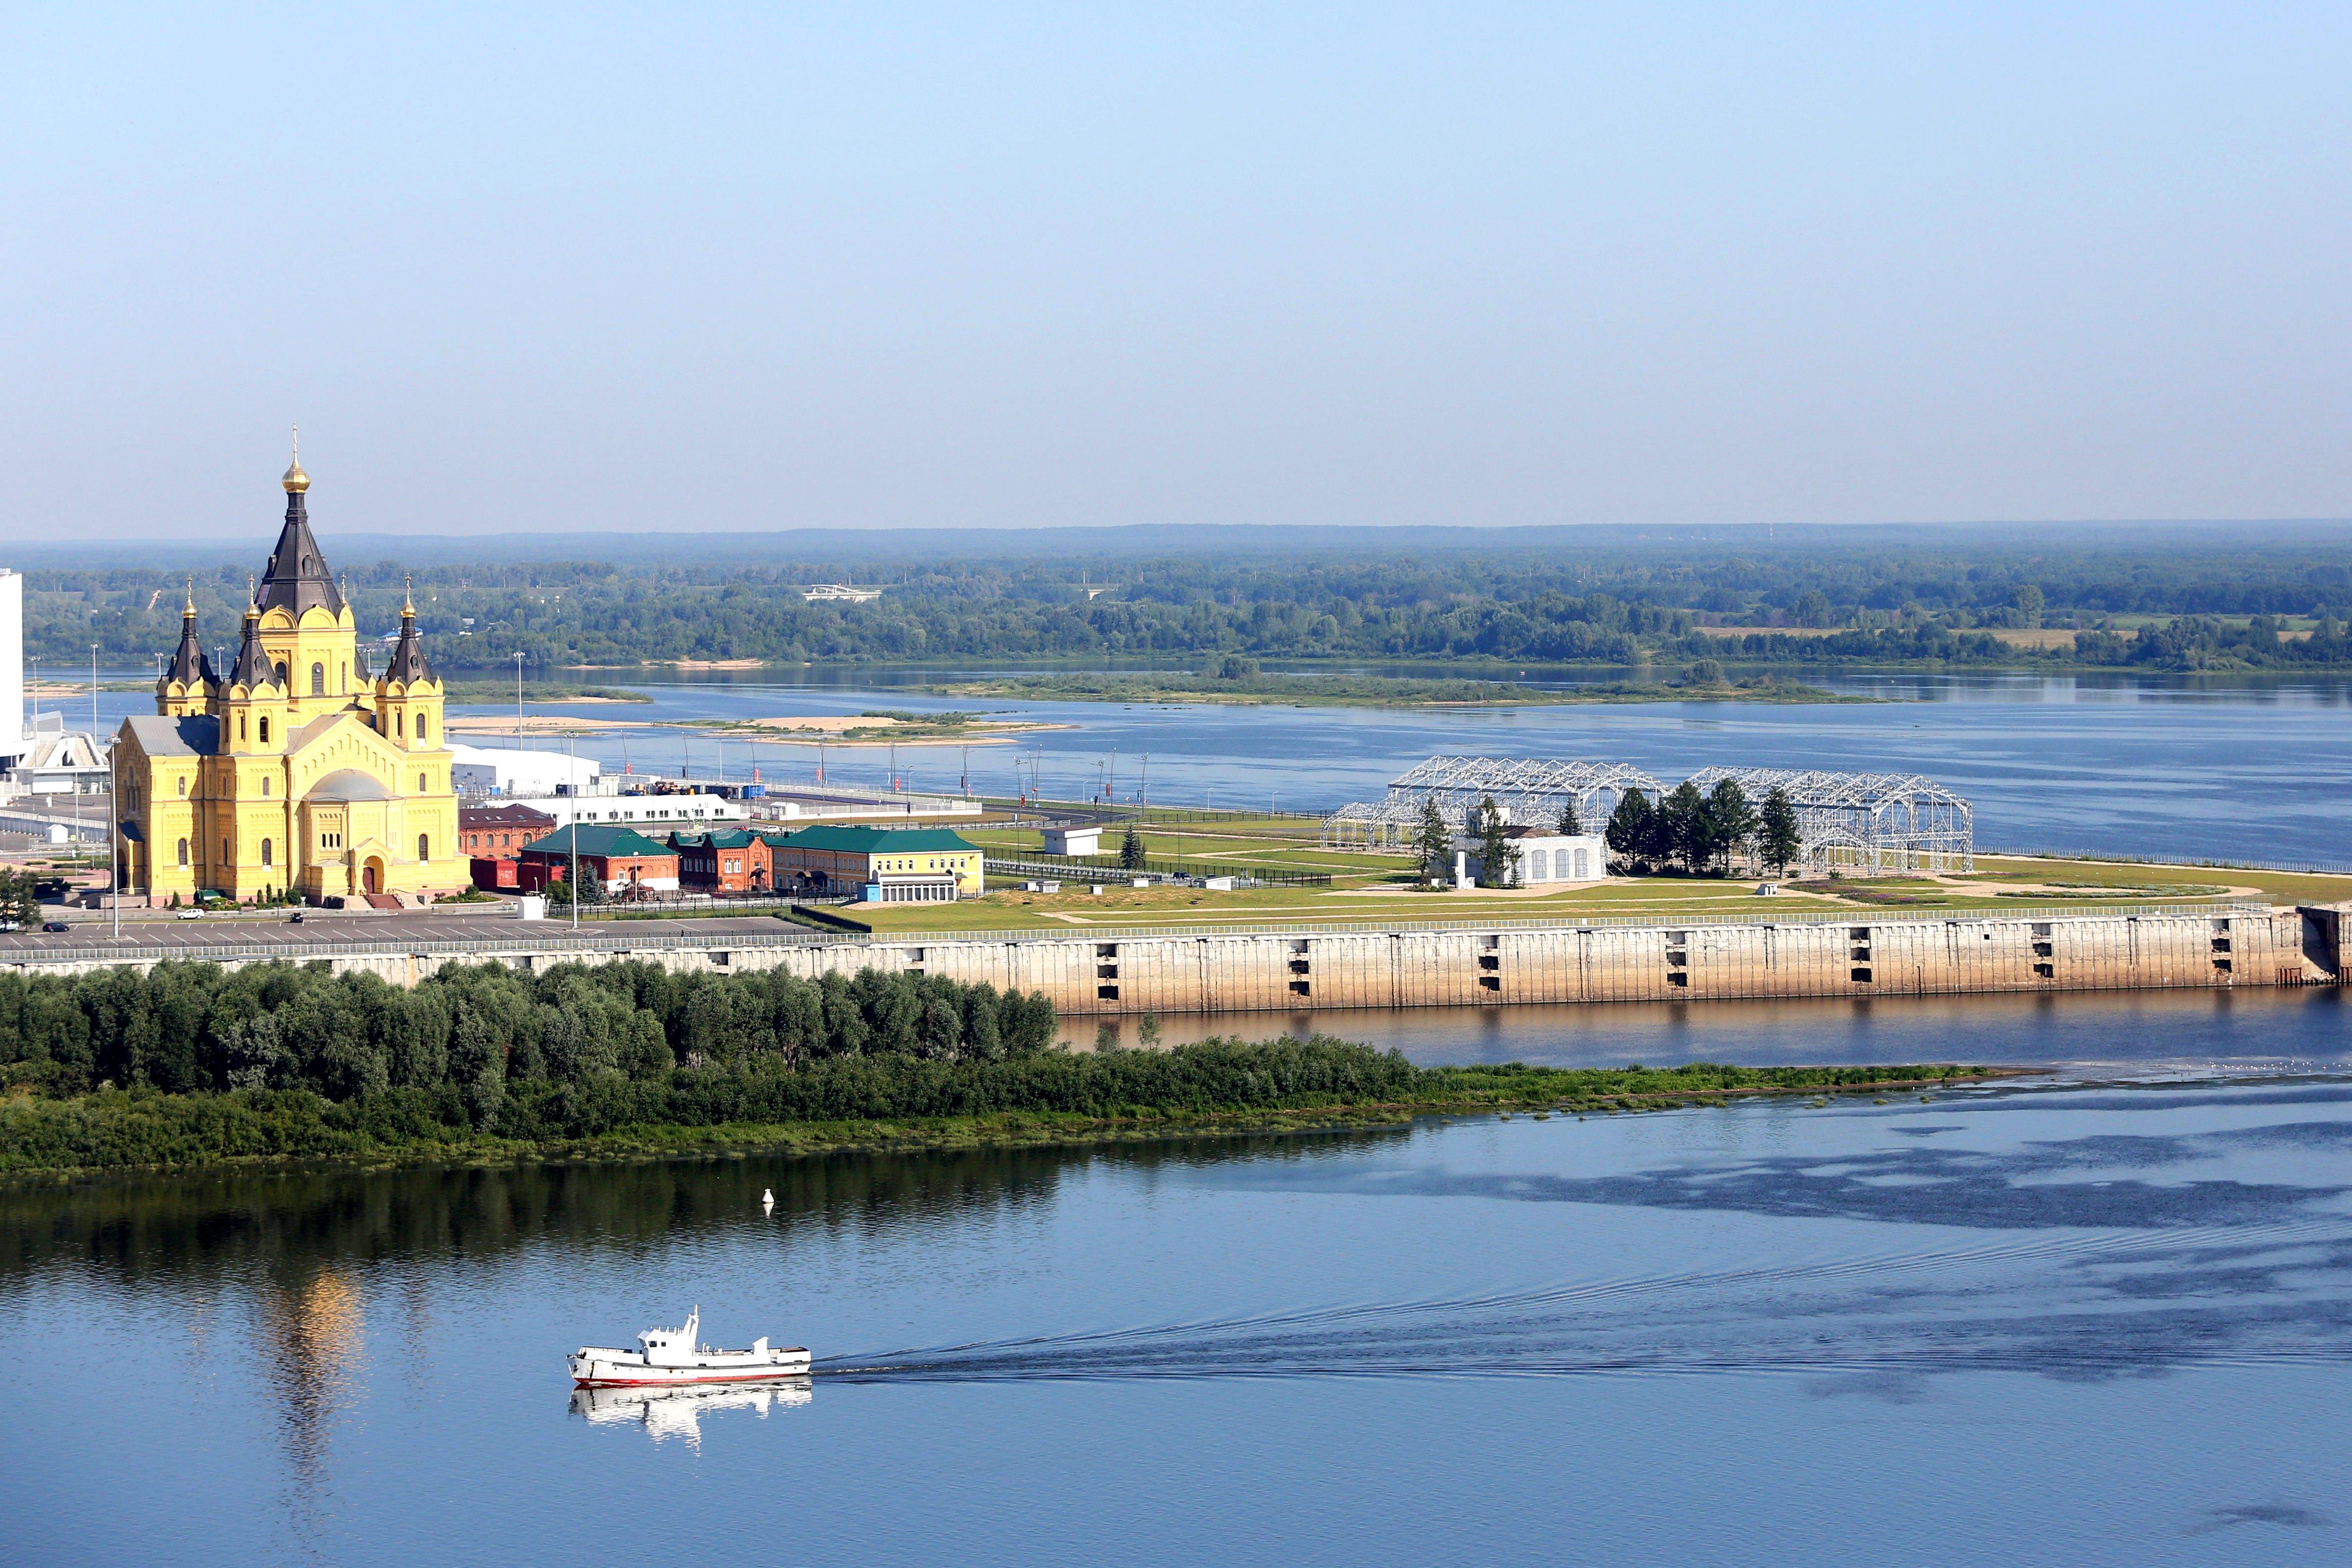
x,y
600,1371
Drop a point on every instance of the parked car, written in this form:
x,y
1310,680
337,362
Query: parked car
x,y
295,919
188,914
53,926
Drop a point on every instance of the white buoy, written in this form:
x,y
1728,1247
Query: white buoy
x,y
767,1198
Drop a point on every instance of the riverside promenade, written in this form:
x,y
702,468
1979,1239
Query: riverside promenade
x,y
1208,968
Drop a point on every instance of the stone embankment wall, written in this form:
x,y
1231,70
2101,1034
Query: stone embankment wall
x,y
1209,973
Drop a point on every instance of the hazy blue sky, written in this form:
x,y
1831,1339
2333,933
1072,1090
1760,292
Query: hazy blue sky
x,y
867,265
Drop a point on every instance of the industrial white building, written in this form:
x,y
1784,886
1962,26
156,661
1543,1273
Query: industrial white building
x,y
506,771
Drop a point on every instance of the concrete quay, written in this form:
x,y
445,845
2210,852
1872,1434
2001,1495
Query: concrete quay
x,y
1211,968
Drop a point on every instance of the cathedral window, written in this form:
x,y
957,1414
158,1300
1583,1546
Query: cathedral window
x,y
184,794
420,726
224,851
421,785
281,675
265,851
240,726
317,681
265,729
424,847
184,853
265,782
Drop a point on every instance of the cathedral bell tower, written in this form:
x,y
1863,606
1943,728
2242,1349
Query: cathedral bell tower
x,y
408,695
252,702
187,685
307,631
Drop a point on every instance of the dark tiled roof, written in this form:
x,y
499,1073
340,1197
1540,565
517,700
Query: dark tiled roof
x,y
253,668
407,663
189,666
523,816
298,578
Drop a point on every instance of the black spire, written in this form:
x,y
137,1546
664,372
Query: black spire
x,y
189,665
297,578
408,664
253,669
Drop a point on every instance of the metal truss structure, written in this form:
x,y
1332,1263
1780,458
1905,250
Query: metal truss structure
x,y
1865,822
1529,792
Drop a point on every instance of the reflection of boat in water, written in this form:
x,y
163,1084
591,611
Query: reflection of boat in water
x,y
665,1356
678,1412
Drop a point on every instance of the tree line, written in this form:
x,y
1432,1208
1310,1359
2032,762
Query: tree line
x,y
482,1033
1886,598
1697,831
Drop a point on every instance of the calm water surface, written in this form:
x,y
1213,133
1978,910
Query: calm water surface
x,y
2069,1324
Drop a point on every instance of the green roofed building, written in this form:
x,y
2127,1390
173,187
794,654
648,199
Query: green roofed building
x,y
892,864
621,858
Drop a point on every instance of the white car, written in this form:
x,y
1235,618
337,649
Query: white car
x,y
189,915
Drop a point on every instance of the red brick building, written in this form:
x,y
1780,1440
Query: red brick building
x,y
494,834
621,858
728,861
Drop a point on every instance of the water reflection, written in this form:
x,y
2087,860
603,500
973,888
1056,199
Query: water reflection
x,y
667,1413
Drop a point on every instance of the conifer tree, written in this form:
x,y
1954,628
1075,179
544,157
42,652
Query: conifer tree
x,y
1778,839
1433,842
1498,857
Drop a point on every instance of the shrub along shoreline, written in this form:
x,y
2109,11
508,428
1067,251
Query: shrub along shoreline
x,y
1216,1087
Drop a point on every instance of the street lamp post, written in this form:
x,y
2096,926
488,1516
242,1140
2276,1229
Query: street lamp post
x,y
518,659
572,750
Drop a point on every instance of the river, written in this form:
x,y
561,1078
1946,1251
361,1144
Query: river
x,y
2057,1323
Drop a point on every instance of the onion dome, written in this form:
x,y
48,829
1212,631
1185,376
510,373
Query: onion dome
x,y
295,481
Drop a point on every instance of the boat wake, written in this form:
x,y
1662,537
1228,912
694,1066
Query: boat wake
x,y
2073,1305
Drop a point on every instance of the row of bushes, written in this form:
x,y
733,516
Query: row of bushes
x,y
144,1127
195,1028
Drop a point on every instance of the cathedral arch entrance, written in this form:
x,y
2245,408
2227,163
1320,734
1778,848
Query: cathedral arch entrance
x,y
371,875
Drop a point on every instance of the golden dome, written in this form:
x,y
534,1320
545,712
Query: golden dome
x,y
295,481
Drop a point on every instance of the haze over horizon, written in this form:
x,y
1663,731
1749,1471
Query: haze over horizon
x,y
526,270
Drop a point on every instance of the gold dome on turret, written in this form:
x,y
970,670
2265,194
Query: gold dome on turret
x,y
295,481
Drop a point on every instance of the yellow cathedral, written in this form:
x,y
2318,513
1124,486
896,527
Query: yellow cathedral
x,y
299,771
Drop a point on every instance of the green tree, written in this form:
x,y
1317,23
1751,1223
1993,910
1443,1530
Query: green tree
x,y
1778,840
1131,850
2027,601
1432,842
18,902
1731,822
1498,857
1628,833
1682,826
591,886
1569,827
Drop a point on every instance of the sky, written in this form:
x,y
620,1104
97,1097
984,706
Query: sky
x,y
598,269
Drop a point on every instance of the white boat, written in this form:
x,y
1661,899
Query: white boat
x,y
667,1356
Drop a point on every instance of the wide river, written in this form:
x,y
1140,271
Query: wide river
x,y
2100,1317
2066,1323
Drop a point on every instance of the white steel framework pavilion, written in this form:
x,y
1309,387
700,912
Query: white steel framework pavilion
x,y
1866,822
1529,792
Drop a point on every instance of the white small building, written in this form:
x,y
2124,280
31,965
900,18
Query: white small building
x,y
1074,841
1546,857
651,814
